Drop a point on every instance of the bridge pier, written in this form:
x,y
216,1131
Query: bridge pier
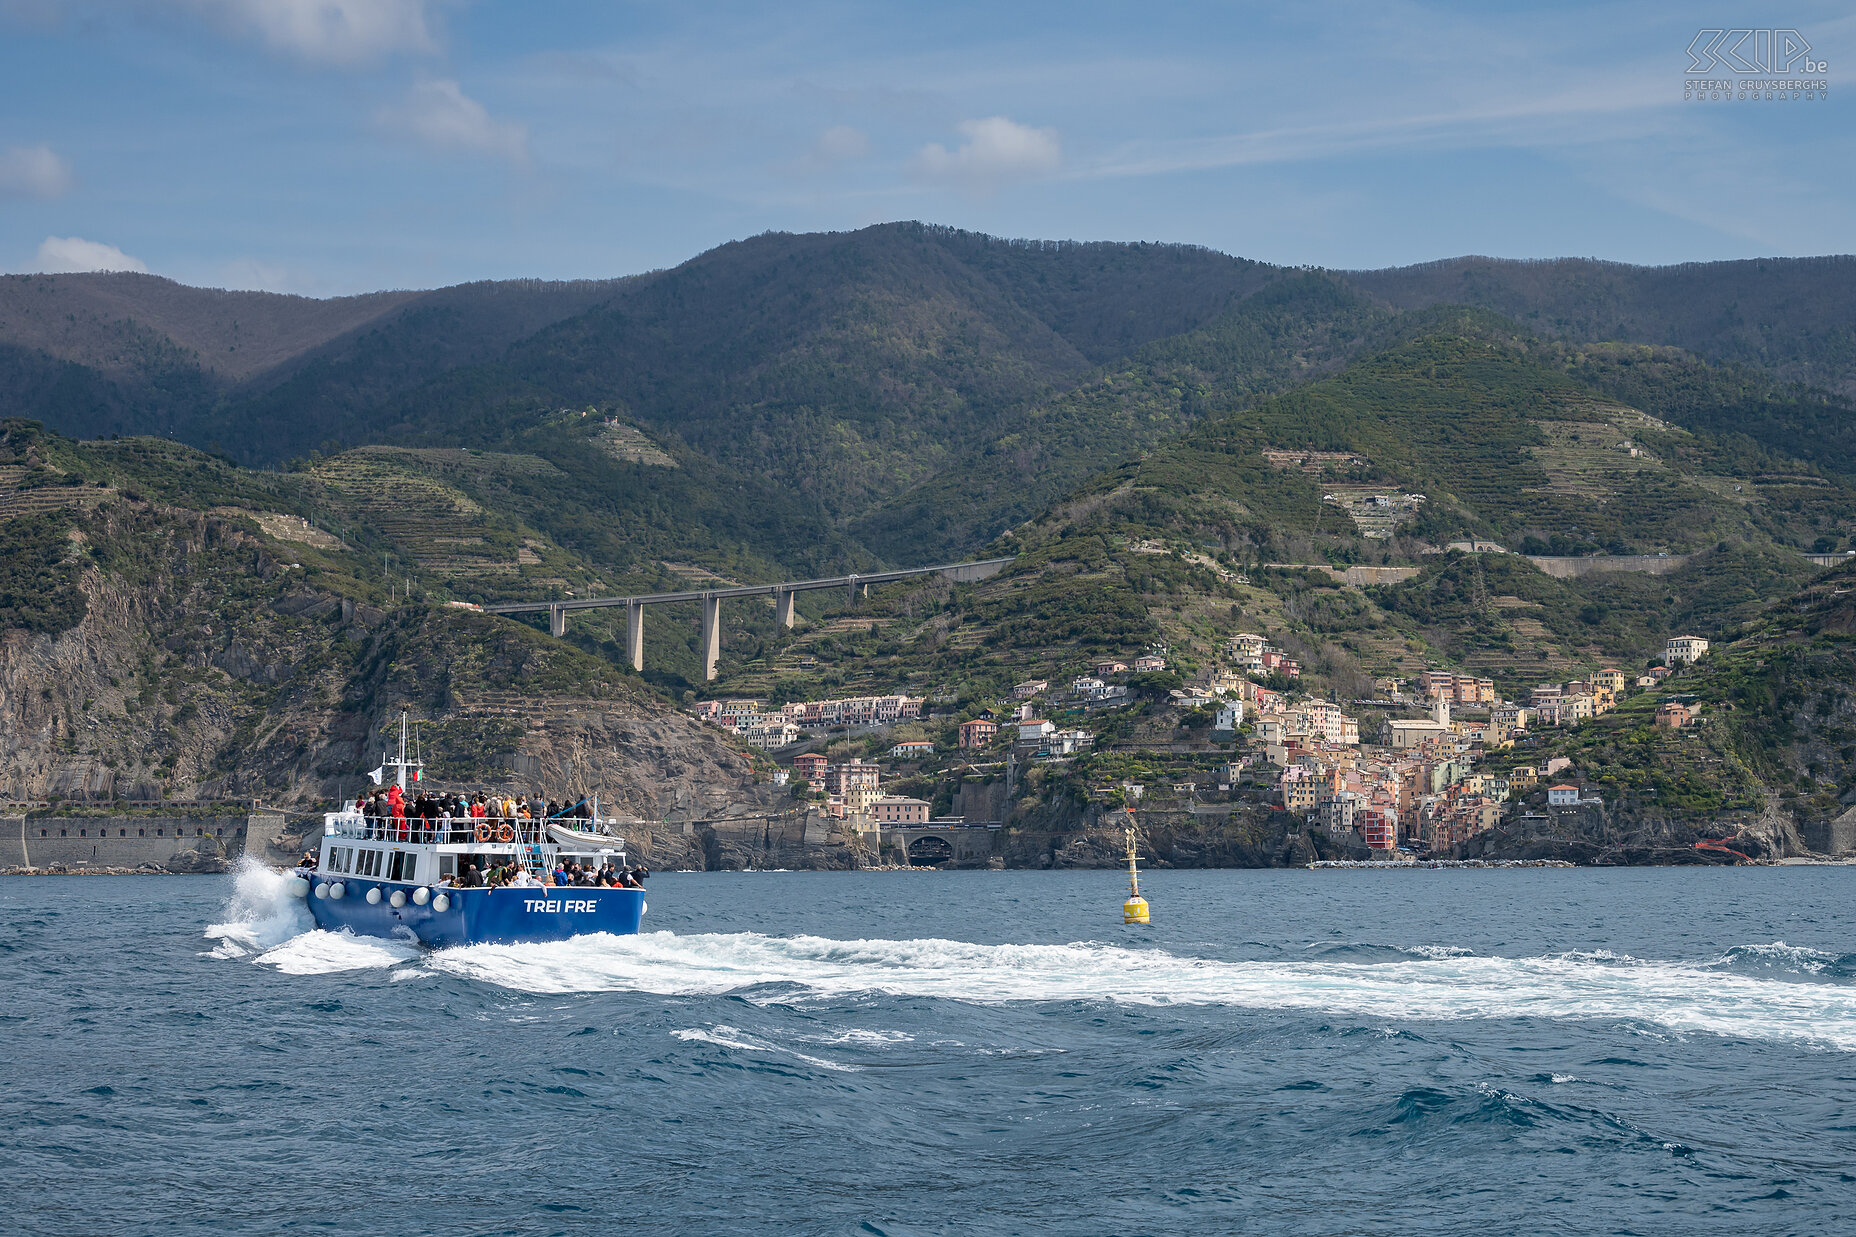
x,y
857,587
634,635
711,635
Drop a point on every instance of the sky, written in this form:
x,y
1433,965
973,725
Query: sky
x,y
327,147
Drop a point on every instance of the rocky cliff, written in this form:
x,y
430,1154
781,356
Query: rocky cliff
x,y
192,661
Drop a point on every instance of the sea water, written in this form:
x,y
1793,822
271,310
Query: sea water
x,y
1436,1052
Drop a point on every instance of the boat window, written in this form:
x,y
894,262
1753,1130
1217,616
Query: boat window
x,y
374,858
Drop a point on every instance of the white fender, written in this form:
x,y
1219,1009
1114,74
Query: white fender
x,y
322,891
422,895
442,903
643,907
397,898
298,887
373,896
338,890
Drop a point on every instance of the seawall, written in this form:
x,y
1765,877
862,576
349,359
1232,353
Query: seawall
x,y
172,843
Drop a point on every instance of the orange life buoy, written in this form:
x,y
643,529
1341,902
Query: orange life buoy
x,y
505,834
483,831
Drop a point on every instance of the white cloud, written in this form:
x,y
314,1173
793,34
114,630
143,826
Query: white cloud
x,y
341,32
997,150
439,114
66,254
33,172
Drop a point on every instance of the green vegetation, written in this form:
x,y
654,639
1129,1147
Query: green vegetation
x,y
38,575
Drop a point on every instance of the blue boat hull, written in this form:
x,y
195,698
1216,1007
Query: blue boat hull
x,y
478,916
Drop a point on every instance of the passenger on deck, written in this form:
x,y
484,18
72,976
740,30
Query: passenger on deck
x,y
472,878
309,861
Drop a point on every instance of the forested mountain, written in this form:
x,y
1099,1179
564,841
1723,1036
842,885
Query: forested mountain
x,y
1795,318
908,392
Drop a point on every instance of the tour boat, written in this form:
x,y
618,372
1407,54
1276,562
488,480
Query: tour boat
x,y
394,878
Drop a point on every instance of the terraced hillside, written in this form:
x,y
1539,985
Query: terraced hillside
x,y
1501,441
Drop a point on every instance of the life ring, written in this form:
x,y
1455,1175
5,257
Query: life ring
x,y
505,834
483,831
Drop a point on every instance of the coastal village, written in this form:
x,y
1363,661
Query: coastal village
x,y
1415,772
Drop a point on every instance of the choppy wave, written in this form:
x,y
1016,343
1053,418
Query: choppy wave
x,y
1672,997
260,915
731,1037
1780,957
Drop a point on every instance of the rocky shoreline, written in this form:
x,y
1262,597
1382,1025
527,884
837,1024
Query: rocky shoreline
x,y
146,869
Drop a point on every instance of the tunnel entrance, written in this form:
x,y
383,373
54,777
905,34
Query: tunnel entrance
x,y
928,851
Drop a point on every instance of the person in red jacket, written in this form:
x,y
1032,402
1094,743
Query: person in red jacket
x,y
396,799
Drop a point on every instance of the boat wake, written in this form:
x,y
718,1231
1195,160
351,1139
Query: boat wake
x,y
1657,996
1770,992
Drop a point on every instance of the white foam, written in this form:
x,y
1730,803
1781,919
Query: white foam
x,y
729,1037
323,953
1676,997
866,1038
260,915
1780,956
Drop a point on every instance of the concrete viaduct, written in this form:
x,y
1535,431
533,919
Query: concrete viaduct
x,y
782,594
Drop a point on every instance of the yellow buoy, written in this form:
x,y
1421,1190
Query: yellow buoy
x,y
1134,910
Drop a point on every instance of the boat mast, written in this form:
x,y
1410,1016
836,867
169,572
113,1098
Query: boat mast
x,y
401,764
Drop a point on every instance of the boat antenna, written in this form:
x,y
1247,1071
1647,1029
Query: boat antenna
x,y
402,764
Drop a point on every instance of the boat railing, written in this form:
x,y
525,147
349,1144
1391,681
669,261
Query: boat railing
x,y
458,832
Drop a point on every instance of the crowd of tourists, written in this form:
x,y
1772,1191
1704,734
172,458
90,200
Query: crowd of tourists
x,y
569,873
391,816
